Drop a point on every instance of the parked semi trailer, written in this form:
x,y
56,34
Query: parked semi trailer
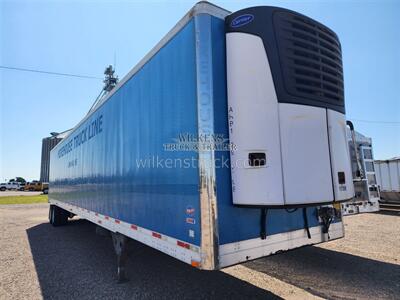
x,y
366,198
227,142
388,175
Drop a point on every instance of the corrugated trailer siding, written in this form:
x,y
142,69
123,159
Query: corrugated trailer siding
x,y
237,224
152,108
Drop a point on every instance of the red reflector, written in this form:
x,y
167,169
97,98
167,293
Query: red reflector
x,y
182,244
99,221
106,217
157,235
96,214
117,221
134,227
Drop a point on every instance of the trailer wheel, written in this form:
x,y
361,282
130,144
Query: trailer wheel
x,y
58,216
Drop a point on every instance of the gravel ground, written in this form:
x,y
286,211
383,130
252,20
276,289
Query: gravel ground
x,y
38,261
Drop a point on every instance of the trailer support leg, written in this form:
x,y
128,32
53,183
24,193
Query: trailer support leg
x,y
120,246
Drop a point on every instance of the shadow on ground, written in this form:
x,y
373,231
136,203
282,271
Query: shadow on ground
x,y
331,274
388,212
73,262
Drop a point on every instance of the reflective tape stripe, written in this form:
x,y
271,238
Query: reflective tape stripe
x,y
183,244
156,235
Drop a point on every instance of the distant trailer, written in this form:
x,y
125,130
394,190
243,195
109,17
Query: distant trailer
x,y
366,193
388,176
220,146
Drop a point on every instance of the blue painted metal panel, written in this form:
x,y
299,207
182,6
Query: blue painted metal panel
x,y
115,163
237,223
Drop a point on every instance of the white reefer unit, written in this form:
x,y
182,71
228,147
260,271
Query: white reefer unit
x,y
286,110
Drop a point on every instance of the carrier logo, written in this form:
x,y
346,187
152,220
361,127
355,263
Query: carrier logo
x,y
241,20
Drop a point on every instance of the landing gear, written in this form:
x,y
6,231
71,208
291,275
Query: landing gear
x,y
121,249
58,216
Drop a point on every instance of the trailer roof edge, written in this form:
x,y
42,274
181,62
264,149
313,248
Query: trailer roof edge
x,y
202,7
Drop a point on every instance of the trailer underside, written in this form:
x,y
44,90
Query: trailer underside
x,y
229,254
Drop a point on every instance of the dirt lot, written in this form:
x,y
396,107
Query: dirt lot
x,y
39,261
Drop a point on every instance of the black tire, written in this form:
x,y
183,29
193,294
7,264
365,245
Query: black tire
x,y
2,189
45,191
57,216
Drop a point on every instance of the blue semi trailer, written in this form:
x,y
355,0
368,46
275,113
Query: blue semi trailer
x,y
226,143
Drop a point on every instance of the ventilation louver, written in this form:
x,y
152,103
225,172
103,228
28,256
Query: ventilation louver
x,y
311,59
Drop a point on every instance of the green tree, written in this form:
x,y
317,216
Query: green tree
x,y
20,179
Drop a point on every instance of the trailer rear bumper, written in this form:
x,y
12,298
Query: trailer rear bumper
x,y
242,251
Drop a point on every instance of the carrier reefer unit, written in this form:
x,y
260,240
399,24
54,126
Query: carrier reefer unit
x,y
388,176
226,143
366,198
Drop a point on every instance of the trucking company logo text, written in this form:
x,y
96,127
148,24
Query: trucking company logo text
x,y
88,132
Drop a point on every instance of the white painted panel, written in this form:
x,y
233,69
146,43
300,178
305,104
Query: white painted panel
x,y
394,175
253,122
246,250
305,154
340,155
385,177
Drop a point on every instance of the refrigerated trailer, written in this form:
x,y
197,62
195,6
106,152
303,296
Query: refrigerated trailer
x,y
226,143
366,192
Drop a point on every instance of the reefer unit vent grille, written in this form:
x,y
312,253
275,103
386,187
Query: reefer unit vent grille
x,y
311,59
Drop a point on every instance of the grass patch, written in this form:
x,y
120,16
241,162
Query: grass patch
x,y
23,199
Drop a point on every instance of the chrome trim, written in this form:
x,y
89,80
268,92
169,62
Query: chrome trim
x,y
202,7
205,120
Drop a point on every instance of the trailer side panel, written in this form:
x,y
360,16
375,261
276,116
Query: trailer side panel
x,y
115,163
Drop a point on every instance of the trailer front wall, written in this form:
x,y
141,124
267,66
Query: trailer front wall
x,y
115,162
239,223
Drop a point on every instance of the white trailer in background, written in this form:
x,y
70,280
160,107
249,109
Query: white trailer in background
x,y
388,178
366,190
